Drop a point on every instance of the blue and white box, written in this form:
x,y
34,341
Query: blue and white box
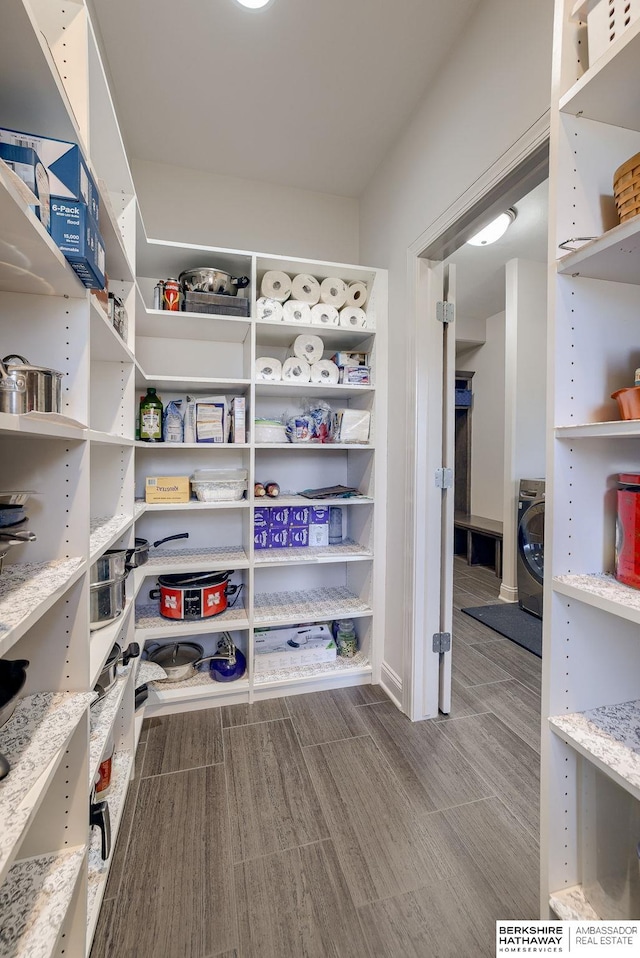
x,y
279,517
277,538
76,233
298,516
319,526
69,176
261,538
261,517
298,537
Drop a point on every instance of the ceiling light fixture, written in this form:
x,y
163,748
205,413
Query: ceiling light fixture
x,y
254,4
494,230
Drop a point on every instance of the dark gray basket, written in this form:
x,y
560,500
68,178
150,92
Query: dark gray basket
x,y
216,303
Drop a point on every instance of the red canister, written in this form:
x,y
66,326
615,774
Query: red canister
x,y
628,529
171,295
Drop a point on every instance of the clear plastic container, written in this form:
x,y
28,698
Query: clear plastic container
x,y
219,485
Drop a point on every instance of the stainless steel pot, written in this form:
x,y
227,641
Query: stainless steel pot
x,y
107,601
111,565
13,675
110,668
10,538
211,280
139,555
180,660
27,388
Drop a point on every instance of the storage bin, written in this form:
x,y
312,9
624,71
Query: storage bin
x,y
219,485
626,188
606,21
269,430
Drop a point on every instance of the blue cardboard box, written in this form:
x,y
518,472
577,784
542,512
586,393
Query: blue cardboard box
x,y
277,538
69,175
261,517
299,516
298,537
261,539
26,164
278,517
76,234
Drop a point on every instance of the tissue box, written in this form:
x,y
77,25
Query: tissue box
x,y
355,375
277,538
278,517
69,176
350,359
287,648
299,516
261,538
76,234
351,425
26,164
319,526
298,537
167,489
261,517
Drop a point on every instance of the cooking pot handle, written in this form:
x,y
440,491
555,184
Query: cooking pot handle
x,y
22,536
141,696
234,590
5,768
7,359
182,535
241,282
154,594
99,815
131,652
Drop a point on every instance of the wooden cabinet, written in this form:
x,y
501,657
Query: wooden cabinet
x,y
591,663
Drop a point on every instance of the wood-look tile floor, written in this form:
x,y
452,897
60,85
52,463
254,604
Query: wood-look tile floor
x,y
329,825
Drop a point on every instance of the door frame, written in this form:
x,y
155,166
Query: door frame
x,y
501,185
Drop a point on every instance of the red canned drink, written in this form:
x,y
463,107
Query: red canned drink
x,y
171,297
628,530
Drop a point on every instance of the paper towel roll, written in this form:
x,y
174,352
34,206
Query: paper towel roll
x,y
324,315
324,371
356,294
296,370
269,310
305,288
276,285
268,369
333,291
353,316
307,347
297,312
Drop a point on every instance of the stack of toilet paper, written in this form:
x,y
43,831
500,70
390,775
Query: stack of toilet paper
x,y
303,299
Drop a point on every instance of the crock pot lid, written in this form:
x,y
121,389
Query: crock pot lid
x,y
629,478
194,580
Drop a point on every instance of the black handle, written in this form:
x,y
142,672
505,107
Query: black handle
x,y
234,590
154,594
4,767
141,696
182,535
241,282
131,652
99,817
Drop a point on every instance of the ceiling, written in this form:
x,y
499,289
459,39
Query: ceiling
x,y
480,284
303,93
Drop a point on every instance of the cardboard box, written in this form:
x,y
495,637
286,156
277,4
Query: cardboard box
x,y
76,234
69,176
167,489
319,534
26,164
261,538
355,375
238,420
279,517
298,516
277,538
261,517
287,648
206,420
298,537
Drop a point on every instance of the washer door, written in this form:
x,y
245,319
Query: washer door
x,y
531,540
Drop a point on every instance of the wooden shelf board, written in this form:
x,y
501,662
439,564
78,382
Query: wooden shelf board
x,y
347,551
287,389
108,439
297,500
164,324
311,678
325,446
200,446
194,504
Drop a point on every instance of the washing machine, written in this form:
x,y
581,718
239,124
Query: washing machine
x,y
530,558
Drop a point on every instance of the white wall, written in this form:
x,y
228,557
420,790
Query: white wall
x,y
526,382
492,89
487,420
192,206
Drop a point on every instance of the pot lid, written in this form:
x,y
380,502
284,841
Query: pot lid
x,y
114,654
629,478
14,363
195,580
176,654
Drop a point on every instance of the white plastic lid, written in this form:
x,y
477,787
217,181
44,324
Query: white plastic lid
x,y
208,475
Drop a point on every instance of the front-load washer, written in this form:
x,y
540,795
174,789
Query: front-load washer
x,y
530,552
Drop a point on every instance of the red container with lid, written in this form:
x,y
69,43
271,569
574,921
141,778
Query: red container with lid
x,y
628,529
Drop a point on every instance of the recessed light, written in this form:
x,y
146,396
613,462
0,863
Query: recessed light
x,y
497,228
254,4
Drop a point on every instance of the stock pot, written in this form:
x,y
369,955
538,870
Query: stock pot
x,y
26,388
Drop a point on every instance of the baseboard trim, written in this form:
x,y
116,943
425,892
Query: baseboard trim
x,y
392,684
508,593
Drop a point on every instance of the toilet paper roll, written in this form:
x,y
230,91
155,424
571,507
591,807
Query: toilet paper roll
x,y
305,288
354,317
269,310
333,291
324,315
324,371
307,347
276,285
297,312
268,369
296,370
356,294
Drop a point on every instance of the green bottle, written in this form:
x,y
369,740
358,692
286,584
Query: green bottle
x,y
151,417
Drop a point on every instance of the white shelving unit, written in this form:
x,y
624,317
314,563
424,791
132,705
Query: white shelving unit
x,y
87,472
591,664
193,353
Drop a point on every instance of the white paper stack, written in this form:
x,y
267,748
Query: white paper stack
x,y
351,425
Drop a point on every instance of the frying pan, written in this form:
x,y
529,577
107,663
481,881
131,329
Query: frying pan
x,y
13,675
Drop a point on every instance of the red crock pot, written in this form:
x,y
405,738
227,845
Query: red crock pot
x,y
628,529
197,596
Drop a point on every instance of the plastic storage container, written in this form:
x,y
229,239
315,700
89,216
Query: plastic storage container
x,y
606,21
219,485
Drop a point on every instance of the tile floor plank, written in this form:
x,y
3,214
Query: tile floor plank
x,y
325,716
176,897
267,710
501,757
518,662
380,843
469,667
297,903
184,740
432,771
515,704
273,805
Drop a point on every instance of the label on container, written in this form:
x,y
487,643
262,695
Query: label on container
x,y
150,423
